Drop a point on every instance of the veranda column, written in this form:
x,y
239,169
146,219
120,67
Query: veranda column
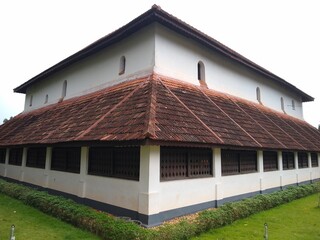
x,y
217,174
280,168
310,166
260,169
296,166
6,162
83,171
149,203
23,164
46,173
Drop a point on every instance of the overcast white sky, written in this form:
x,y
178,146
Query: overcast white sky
x,y
282,36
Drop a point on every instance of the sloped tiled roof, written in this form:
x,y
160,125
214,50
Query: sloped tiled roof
x,y
157,108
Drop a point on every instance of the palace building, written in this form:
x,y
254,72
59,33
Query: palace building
x,y
157,120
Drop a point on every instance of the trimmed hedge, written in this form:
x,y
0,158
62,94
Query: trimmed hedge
x,y
109,227
230,212
103,225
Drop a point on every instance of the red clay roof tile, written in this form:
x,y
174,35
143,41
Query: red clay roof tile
x,y
161,109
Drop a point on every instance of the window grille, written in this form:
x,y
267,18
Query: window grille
x,y
314,160
238,162
119,162
15,156
3,155
200,163
230,163
288,160
303,160
66,159
181,163
36,157
270,161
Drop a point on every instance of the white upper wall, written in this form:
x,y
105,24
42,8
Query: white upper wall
x,y
178,57
156,48
97,71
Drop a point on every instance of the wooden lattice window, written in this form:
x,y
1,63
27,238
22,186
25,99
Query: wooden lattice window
x,y
230,163
270,161
303,160
66,159
288,160
36,157
238,161
100,161
15,156
314,160
119,162
3,155
181,163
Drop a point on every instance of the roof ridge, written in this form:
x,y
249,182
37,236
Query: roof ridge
x,y
110,111
192,113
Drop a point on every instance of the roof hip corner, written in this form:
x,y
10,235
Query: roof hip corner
x,y
150,120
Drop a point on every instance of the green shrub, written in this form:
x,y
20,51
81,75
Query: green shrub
x,y
104,225
109,227
230,212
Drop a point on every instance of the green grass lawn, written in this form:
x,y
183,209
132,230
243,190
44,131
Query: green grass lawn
x,y
299,219
33,224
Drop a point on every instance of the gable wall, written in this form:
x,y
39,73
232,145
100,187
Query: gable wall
x,y
178,57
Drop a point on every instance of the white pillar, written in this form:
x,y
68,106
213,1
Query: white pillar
x,y
260,161
46,172
6,162
296,166
280,163
280,168
23,164
310,166
217,170
217,173
83,171
260,168
149,180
